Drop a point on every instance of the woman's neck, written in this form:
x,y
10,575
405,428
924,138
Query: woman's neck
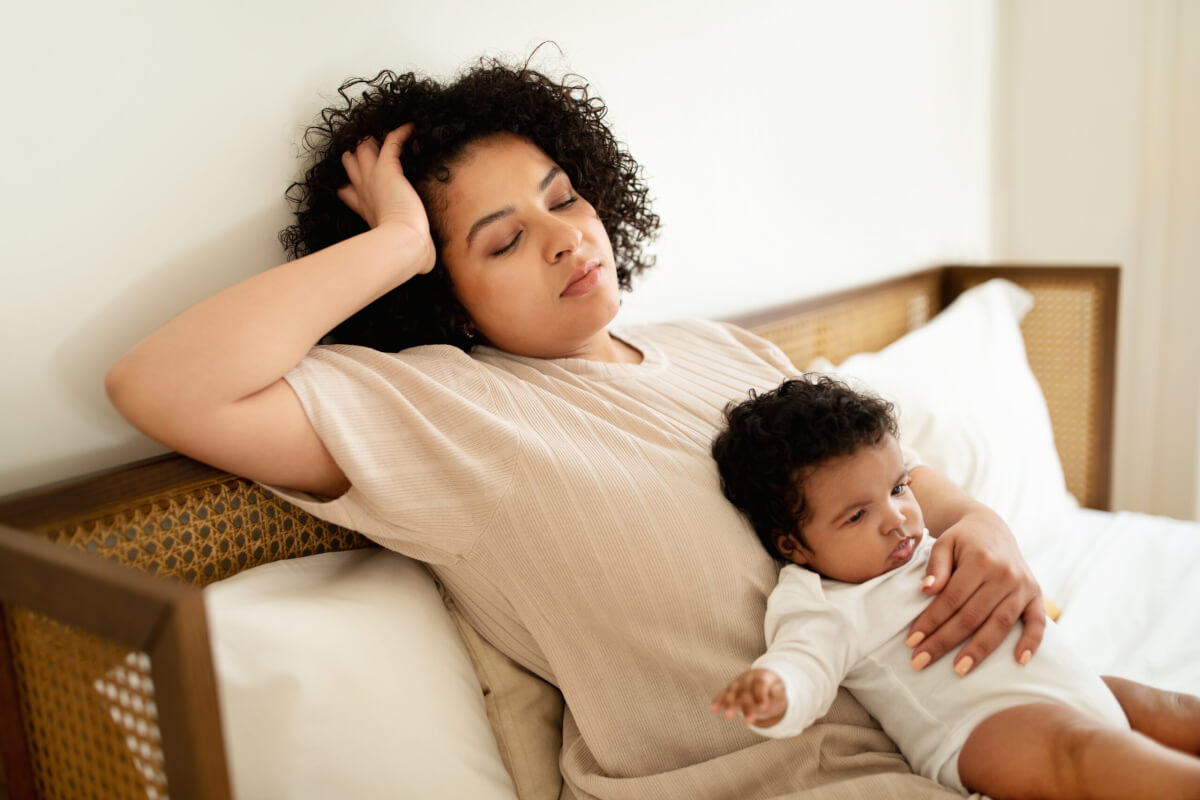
x,y
609,349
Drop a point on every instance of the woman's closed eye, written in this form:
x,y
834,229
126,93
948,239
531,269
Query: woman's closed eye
x,y
512,243
566,203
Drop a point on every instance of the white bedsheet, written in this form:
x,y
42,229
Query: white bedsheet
x,y
1129,588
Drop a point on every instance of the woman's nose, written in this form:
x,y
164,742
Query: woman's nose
x,y
562,238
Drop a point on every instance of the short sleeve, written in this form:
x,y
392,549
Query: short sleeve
x,y
417,435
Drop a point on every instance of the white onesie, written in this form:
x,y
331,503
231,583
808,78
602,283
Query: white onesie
x,y
822,633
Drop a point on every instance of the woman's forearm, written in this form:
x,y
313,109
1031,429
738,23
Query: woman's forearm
x,y
943,502
243,339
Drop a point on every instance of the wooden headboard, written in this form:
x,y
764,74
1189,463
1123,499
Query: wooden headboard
x,y
100,577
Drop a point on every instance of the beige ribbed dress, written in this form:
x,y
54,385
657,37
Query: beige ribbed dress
x,y
574,511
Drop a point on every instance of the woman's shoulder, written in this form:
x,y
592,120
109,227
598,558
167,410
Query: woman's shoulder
x,y
356,381
432,356
711,336
441,364
695,330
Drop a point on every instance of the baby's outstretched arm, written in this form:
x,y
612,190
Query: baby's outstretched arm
x,y
758,693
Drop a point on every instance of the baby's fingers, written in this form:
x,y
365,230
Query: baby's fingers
x,y
725,703
762,691
767,697
732,700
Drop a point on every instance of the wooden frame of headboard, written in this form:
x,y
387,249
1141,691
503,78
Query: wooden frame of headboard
x,y
138,613
78,603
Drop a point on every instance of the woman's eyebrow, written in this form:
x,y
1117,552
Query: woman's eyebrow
x,y
488,219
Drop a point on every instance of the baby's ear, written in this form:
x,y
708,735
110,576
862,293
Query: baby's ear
x,y
790,547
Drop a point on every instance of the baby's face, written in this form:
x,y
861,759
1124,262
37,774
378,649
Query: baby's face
x,y
864,520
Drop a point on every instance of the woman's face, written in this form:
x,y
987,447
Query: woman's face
x,y
529,258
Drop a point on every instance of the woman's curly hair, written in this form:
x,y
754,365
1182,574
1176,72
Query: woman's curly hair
x,y
561,118
772,442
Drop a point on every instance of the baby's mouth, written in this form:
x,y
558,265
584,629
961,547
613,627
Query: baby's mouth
x,y
904,549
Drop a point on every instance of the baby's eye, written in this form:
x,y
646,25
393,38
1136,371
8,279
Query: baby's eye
x,y
899,489
856,516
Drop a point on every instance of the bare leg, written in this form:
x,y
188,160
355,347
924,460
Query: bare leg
x,y
1171,718
1049,750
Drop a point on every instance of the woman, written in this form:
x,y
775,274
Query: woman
x,y
554,473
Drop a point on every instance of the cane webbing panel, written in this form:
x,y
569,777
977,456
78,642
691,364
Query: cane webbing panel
x,y
204,534
1063,342
89,713
860,321
87,704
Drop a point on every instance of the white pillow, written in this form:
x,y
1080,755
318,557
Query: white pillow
x,y
970,406
342,675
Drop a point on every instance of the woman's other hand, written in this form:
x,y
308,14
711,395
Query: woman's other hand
x,y
209,383
982,583
758,693
380,194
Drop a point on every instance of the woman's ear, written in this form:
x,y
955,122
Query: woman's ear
x,y
791,548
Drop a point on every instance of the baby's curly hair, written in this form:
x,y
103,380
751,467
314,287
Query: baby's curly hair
x,y
561,118
772,442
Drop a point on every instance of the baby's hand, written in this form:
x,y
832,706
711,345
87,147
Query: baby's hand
x,y
758,693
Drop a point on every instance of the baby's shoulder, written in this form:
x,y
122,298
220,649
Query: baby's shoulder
x,y
797,584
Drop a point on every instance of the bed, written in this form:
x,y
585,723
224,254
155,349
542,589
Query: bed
x,y
172,630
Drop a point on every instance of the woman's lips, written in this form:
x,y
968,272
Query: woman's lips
x,y
583,280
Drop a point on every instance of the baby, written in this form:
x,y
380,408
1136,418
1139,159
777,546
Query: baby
x,y
817,469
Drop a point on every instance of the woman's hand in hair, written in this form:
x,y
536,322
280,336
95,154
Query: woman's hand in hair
x,y
380,194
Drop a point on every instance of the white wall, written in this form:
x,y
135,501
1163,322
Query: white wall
x,y
1098,160
792,147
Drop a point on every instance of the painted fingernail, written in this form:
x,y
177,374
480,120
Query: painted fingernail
x,y
1024,659
920,661
964,665
929,579
914,639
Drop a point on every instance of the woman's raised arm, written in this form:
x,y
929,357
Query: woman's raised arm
x,y
209,383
